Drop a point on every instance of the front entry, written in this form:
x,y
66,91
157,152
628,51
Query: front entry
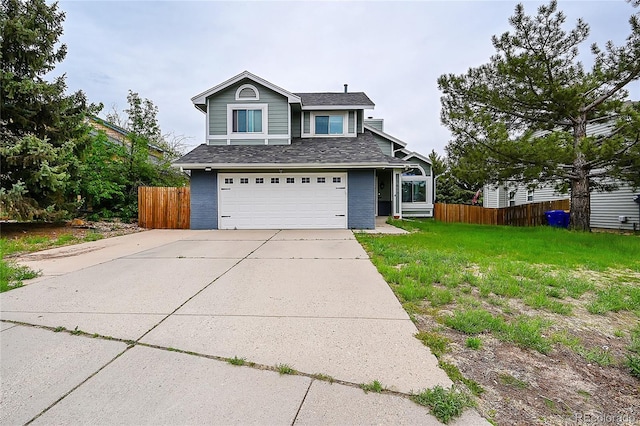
x,y
384,190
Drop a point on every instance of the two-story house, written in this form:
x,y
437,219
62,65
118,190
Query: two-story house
x,y
274,159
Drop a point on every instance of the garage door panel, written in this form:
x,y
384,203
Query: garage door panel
x,y
282,205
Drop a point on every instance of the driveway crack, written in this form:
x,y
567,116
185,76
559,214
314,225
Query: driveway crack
x,y
207,286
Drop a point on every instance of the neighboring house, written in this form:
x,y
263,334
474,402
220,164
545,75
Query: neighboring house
x,y
274,159
118,135
613,210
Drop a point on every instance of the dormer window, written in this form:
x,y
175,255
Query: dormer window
x,y
247,92
329,124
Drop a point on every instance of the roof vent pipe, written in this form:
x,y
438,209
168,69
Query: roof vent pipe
x,y
345,88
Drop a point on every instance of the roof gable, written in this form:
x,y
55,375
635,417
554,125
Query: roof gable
x,y
200,100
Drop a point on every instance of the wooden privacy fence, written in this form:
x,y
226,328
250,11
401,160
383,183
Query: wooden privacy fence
x,y
523,215
164,207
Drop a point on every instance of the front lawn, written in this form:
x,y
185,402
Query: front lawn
x,y
541,324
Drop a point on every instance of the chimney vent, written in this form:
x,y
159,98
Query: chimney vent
x,y
345,88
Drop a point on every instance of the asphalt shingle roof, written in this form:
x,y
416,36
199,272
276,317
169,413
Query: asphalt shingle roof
x,y
339,150
335,99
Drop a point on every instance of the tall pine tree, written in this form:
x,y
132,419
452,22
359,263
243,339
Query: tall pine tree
x,y
523,116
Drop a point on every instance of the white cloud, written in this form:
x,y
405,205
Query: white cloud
x,y
393,51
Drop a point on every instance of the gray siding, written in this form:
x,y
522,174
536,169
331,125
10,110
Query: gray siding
x,y
278,109
204,200
217,142
489,196
361,199
376,123
307,122
386,146
607,206
352,122
547,193
426,166
296,118
278,141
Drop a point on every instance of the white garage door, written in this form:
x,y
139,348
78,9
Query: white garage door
x,y
282,200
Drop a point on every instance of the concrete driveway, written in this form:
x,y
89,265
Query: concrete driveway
x,y
149,319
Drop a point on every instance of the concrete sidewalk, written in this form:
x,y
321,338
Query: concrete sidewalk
x,y
166,308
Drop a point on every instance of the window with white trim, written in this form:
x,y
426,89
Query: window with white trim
x,y
414,191
329,124
259,180
320,180
337,180
306,180
228,181
247,121
530,195
244,180
291,180
275,180
512,198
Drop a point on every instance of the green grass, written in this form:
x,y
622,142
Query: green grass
x,y
285,369
484,275
11,274
374,386
456,376
633,363
438,343
474,343
444,404
236,361
509,380
323,377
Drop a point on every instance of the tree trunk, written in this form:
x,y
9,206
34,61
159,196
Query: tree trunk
x,y
580,219
580,202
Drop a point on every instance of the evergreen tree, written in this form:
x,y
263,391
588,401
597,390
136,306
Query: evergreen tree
x,y
523,116
43,128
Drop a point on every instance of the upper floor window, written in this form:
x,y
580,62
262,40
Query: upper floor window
x,y
329,124
247,121
247,92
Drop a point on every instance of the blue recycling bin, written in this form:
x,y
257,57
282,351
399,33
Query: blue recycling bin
x,y
557,218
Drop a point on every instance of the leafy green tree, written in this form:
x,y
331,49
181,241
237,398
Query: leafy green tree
x,y
523,117
103,182
449,188
43,128
143,159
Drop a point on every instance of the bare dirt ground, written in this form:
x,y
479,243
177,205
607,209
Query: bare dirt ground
x,y
78,228
525,387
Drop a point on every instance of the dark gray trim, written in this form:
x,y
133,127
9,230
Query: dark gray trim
x,y
361,213
204,199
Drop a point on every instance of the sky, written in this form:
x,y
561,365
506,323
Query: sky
x,y
170,51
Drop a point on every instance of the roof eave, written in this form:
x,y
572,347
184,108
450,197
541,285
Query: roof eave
x,y
231,166
385,135
336,107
